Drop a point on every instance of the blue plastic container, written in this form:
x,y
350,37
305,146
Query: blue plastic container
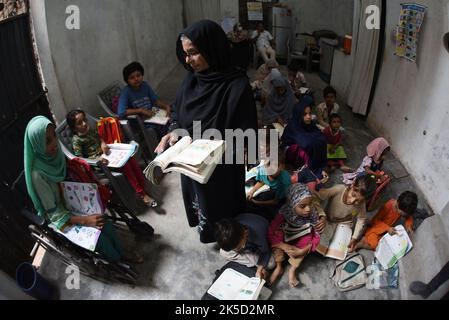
x,y
32,283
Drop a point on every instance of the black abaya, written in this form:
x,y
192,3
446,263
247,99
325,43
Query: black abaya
x,y
221,98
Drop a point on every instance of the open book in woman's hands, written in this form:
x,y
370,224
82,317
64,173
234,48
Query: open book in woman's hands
x,y
197,160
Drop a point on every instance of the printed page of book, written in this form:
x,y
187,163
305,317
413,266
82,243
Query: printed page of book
x,y
201,177
85,237
252,289
393,248
338,248
82,198
198,151
335,240
263,189
164,159
228,285
119,155
160,118
326,238
384,254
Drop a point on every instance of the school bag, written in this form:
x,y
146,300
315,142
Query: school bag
x,y
79,170
109,130
350,274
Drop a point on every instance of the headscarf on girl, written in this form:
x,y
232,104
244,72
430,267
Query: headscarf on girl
x,y
36,159
279,106
376,148
221,98
298,193
308,137
212,96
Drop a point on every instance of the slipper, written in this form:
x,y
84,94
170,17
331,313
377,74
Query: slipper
x,y
152,204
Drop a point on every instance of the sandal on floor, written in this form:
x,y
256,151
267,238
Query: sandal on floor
x,y
152,204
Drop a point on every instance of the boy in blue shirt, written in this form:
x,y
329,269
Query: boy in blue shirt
x,y
138,98
279,182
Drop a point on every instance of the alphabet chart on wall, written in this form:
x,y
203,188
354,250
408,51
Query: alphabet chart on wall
x,y
408,30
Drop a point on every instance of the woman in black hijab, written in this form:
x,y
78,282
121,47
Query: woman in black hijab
x,y
220,96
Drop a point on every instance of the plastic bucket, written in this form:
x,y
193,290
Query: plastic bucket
x,y
32,283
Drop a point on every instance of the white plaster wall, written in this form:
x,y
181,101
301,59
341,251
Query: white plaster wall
x,y
412,98
312,15
113,33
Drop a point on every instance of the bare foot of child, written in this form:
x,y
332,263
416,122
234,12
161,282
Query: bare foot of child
x,y
292,278
277,273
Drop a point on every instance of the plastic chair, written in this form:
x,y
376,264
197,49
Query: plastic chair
x,y
150,140
117,180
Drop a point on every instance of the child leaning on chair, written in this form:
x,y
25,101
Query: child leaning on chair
x,y
86,143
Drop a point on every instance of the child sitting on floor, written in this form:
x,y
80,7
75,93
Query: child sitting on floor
x,y
336,154
274,176
347,202
306,146
297,80
138,98
295,231
387,217
327,108
372,163
86,143
244,240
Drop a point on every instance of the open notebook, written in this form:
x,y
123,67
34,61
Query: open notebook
x,y
119,154
159,118
197,160
233,285
393,248
335,241
82,199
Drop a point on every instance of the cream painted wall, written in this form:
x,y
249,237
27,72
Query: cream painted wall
x,y
411,107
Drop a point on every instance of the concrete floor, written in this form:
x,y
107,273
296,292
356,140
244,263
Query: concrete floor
x,y
179,267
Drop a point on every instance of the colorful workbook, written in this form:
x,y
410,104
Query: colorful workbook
x,y
392,248
119,154
335,241
232,285
82,199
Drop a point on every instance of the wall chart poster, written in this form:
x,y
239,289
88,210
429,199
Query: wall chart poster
x,y
408,30
12,8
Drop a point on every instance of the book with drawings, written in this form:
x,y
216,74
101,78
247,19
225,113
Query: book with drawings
x,y
335,240
196,160
119,154
159,118
233,285
82,199
392,248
